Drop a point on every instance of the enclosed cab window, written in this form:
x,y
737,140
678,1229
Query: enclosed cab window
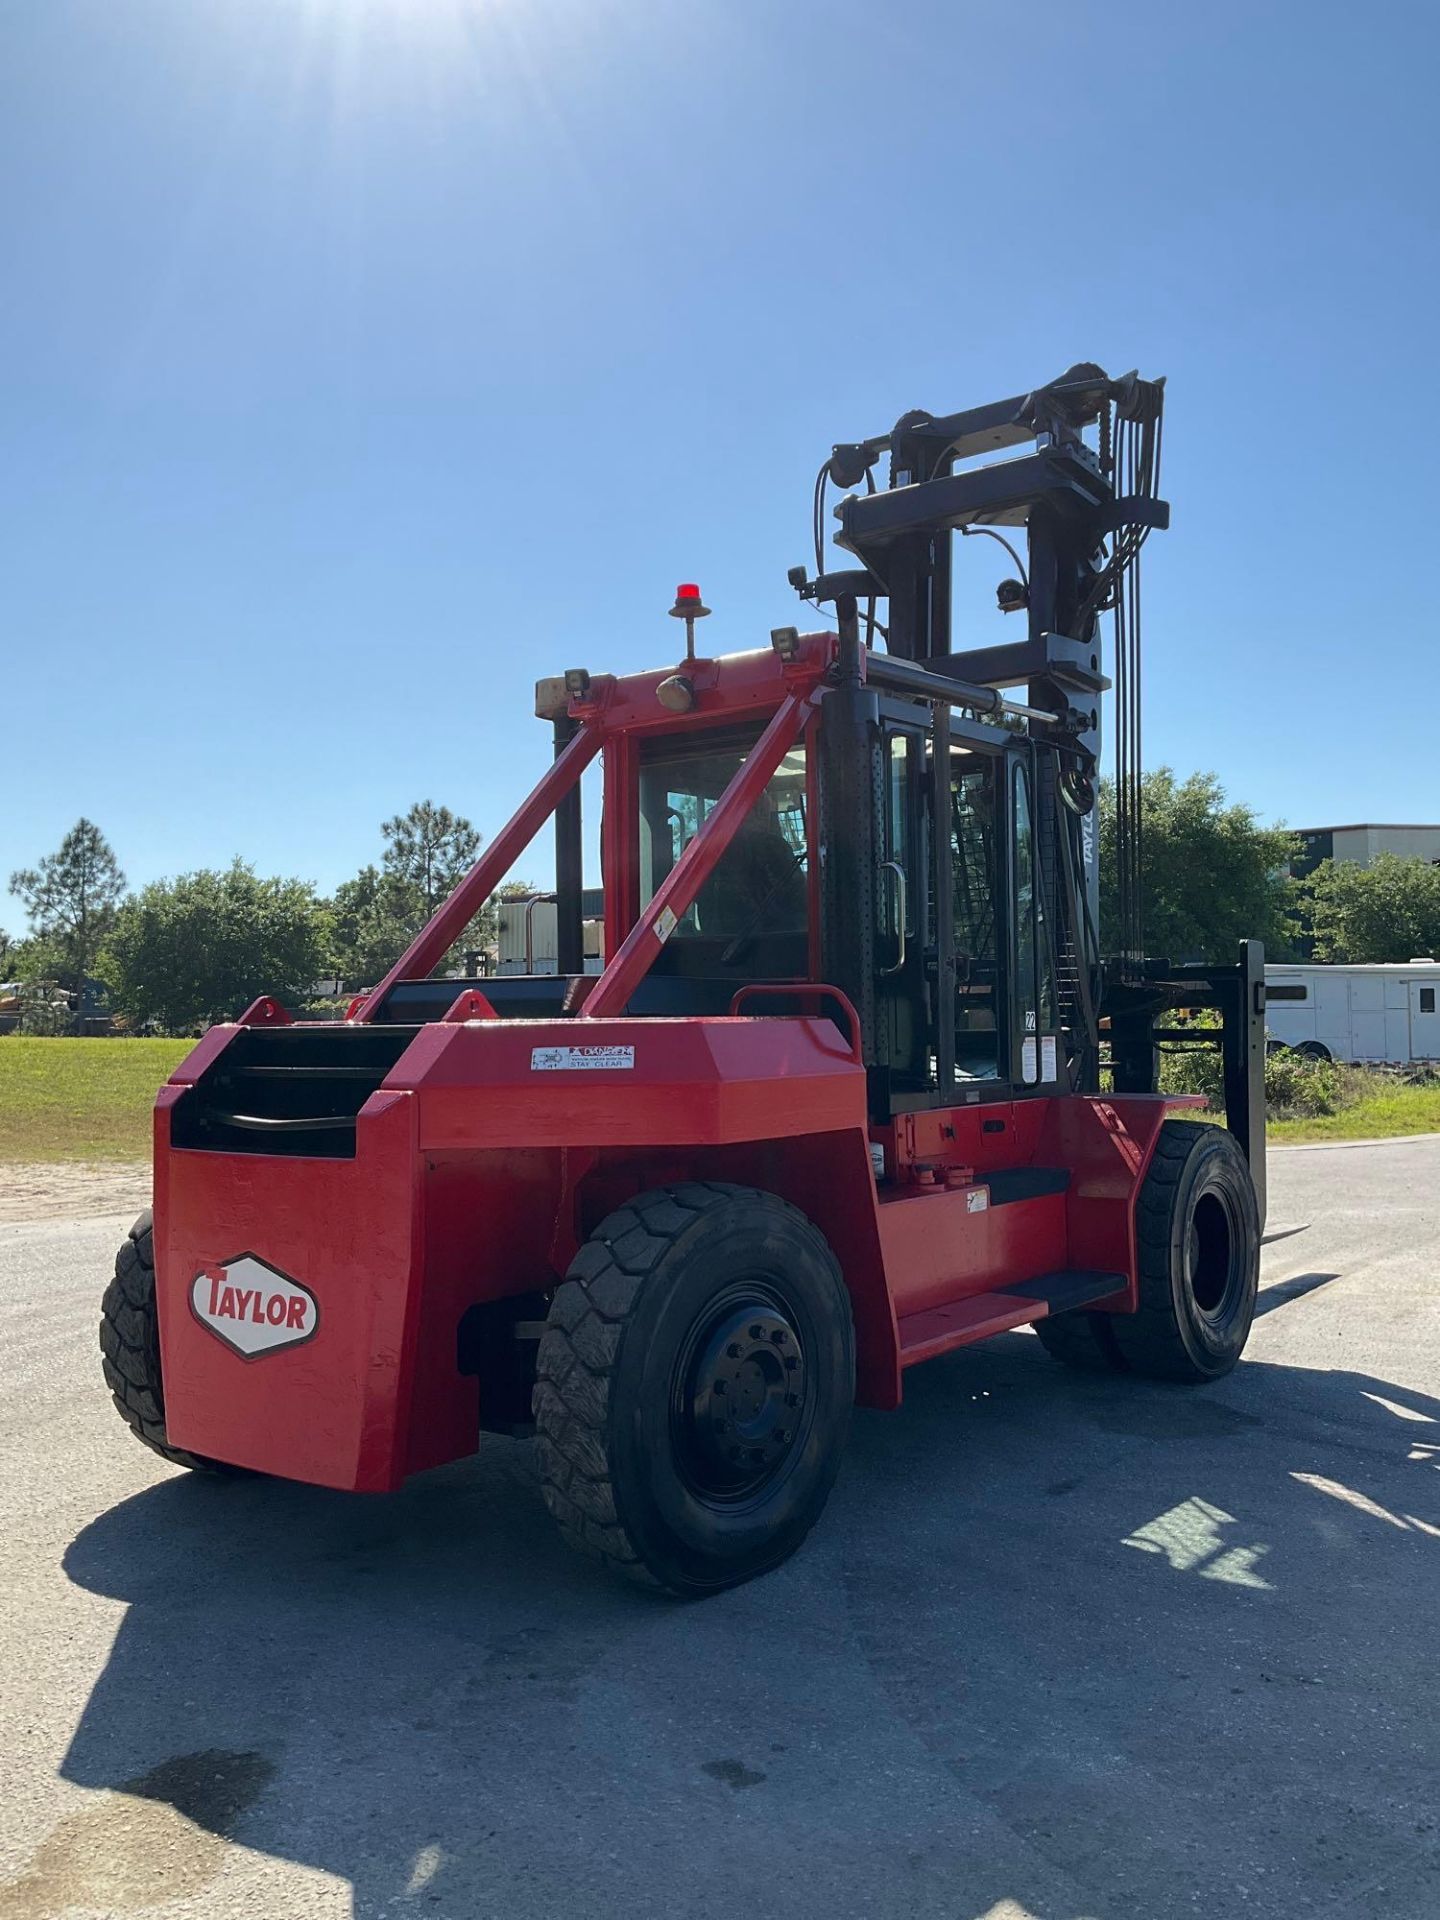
x,y
975,865
1427,999
903,801
758,890
1285,990
1033,998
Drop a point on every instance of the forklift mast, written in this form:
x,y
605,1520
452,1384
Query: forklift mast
x,y
1082,536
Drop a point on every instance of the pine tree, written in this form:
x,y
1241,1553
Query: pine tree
x,y
71,898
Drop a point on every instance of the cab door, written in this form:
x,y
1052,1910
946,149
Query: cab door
x,y
945,922
1035,1051
933,908
979,921
904,1009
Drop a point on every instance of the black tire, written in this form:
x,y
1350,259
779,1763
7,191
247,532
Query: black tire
x,y
1314,1050
1080,1340
1198,1240
687,1304
130,1347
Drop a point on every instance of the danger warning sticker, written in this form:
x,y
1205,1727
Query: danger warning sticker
x,y
570,1059
252,1307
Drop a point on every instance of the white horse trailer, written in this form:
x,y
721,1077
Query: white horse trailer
x,y
1378,1013
528,934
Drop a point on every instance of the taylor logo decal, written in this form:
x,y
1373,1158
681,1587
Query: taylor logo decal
x,y
251,1307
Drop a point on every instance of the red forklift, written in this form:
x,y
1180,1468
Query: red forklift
x,y
863,1078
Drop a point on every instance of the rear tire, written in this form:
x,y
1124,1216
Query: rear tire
x,y
1081,1340
694,1387
1314,1050
130,1347
1197,1230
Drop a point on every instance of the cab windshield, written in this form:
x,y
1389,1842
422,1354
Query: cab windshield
x,y
758,893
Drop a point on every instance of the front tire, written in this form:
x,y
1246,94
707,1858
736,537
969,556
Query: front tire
x,y
1197,1231
130,1347
694,1387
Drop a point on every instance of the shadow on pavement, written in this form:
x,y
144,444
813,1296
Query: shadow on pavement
x,y
1091,1647
1295,1288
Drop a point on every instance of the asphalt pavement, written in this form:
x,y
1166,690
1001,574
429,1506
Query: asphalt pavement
x,y
1060,1647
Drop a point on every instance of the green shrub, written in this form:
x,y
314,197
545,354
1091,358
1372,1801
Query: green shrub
x,y
324,1007
44,1010
1298,1088
1195,1069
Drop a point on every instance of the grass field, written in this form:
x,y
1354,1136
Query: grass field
x,y
91,1100
81,1099
1378,1116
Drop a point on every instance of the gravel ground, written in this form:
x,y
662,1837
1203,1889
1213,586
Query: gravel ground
x,y
1061,1648
69,1190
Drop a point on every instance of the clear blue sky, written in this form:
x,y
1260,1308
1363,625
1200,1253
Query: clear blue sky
x,y
364,359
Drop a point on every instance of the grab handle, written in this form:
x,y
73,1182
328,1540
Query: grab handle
x,y
902,906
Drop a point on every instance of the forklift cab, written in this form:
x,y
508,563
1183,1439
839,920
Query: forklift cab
x,y
955,953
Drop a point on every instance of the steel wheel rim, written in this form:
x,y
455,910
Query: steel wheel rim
x,y
742,1396
1212,1270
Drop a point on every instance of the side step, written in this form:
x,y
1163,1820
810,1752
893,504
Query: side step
x,y
959,1324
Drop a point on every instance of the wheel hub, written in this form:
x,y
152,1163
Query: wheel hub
x,y
1209,1257
741,1402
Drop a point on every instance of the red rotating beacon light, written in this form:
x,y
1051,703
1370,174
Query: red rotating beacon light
x,y
688,607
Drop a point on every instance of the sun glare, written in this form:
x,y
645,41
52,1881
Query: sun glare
x,y
440,46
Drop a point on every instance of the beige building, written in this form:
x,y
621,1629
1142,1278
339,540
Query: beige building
x,y
1361,843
